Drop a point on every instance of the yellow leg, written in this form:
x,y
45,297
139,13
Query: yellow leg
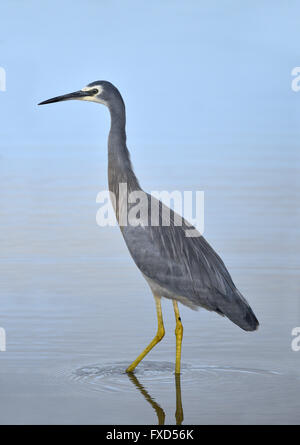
x,y
178,333
159,335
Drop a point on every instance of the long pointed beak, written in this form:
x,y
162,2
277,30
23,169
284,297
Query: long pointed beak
x,y
76,95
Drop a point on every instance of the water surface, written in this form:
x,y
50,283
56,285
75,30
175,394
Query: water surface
x,y
77,311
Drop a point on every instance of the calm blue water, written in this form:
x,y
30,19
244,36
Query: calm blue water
x,y
77,311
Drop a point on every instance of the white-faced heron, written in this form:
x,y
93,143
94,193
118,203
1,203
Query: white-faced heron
x,y
181,268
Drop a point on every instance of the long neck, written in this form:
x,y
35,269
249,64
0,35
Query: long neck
x,y
119,165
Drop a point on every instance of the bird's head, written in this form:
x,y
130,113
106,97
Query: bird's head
x,y
101,91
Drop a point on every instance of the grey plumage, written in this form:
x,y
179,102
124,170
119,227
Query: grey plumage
x,y
174,265
183,268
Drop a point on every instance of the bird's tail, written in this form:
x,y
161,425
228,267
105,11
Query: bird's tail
x,y
237,309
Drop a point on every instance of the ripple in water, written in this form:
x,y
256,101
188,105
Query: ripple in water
x,y
112,377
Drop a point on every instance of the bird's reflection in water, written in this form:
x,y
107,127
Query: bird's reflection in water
x,y
157,408
179,411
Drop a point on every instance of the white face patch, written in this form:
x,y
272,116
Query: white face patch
x,y
96,97
99,88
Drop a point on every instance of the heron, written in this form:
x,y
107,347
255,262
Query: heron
x,y
185,269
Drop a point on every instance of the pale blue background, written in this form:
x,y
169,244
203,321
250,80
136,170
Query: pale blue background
x,y
189,71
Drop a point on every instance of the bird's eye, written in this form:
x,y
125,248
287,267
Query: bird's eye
x,y
94,91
